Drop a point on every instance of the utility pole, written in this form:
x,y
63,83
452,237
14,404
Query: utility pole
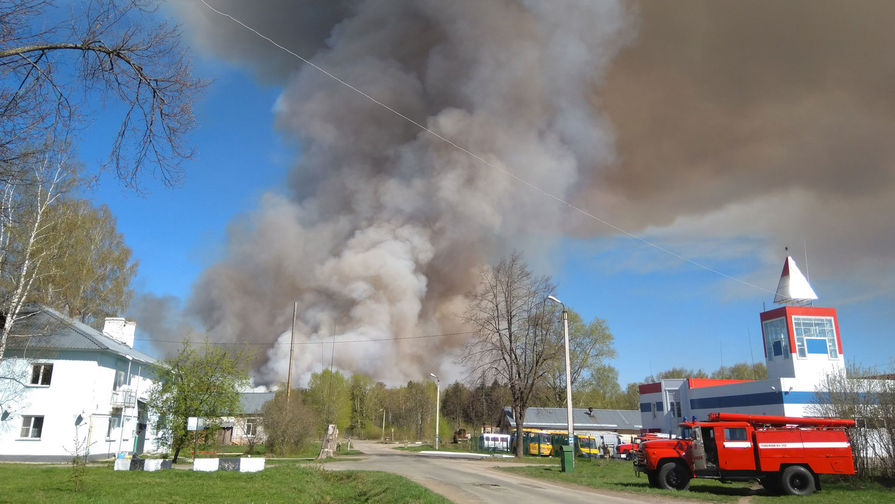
x,y
565,327
291,352
437,405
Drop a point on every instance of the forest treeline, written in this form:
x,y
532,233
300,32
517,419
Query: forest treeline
x,y
362,407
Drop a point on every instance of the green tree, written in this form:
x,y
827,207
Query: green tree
x,y
28,196
202,384
91,276
487,403
454,404
742,371
676,372
590,346
631,398
364,405
288,425
329,393
600,389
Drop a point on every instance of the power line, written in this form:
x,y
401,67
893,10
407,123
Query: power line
x,y
479,158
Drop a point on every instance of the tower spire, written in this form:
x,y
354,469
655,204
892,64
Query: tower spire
x,y
793,288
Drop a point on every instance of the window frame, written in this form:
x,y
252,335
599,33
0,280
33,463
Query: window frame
x,y
733,434
41,375
120,380
116,418
31,419
771,338
807,327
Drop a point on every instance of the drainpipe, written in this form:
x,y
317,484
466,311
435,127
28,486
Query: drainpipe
x,y
121,420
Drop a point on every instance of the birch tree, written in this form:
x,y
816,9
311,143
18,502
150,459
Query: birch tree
x,y
90,277
26,236
590,346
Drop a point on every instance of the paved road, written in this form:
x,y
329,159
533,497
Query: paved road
x,y
474,481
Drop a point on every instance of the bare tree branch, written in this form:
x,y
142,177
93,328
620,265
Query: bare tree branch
x,y
512,340
124,53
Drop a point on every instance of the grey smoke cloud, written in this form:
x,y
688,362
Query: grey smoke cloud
x,y
769,120
744,125
161,322
385,227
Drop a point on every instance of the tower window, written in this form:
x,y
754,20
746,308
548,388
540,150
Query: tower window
x,y
776,340
815,336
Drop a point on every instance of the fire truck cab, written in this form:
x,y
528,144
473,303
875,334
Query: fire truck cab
x,y
783,453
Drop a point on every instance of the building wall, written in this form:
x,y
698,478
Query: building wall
x,y
80,390
659,405
763,397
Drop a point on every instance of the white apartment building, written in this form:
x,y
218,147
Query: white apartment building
x,y
66,388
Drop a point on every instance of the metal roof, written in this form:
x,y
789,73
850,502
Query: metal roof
x,y
42,328
252,402
582,418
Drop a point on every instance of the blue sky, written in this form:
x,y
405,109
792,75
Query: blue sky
x,y
663,312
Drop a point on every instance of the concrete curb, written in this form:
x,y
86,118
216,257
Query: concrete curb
x,y
150,465
239,464
463,455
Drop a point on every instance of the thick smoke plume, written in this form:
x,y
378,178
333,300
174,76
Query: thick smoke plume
x,y
762,122
744,125
386,226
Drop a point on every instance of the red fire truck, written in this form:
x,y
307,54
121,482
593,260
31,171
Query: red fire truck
x,y
783,453
629,450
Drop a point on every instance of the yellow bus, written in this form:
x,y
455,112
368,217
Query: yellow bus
x,y
546,443
539,443
587,446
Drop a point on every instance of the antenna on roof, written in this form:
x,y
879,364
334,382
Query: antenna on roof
x,y
805,248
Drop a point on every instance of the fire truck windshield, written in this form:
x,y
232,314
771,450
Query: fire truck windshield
x,y
686,432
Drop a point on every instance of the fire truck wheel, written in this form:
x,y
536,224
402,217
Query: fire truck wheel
x,y
797,480
653,479
673,476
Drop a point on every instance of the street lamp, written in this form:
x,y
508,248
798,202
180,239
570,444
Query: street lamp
x,y
437,405
565,327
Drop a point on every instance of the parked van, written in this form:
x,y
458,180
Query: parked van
x,y
496,442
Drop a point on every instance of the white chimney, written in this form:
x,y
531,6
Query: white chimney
x,y
120,329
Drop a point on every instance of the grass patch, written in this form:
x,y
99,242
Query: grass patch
x,y
619,475
284,482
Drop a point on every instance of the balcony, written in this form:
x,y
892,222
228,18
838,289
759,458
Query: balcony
x,y
123,398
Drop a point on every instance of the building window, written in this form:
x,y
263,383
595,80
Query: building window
x,y
114,421
41,374
31,427
816,336
120,379
776,340
250,427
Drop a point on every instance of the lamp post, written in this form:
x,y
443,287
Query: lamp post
x,y
437,405
565,327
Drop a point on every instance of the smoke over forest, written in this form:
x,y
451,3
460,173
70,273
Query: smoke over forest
x,y
687,121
